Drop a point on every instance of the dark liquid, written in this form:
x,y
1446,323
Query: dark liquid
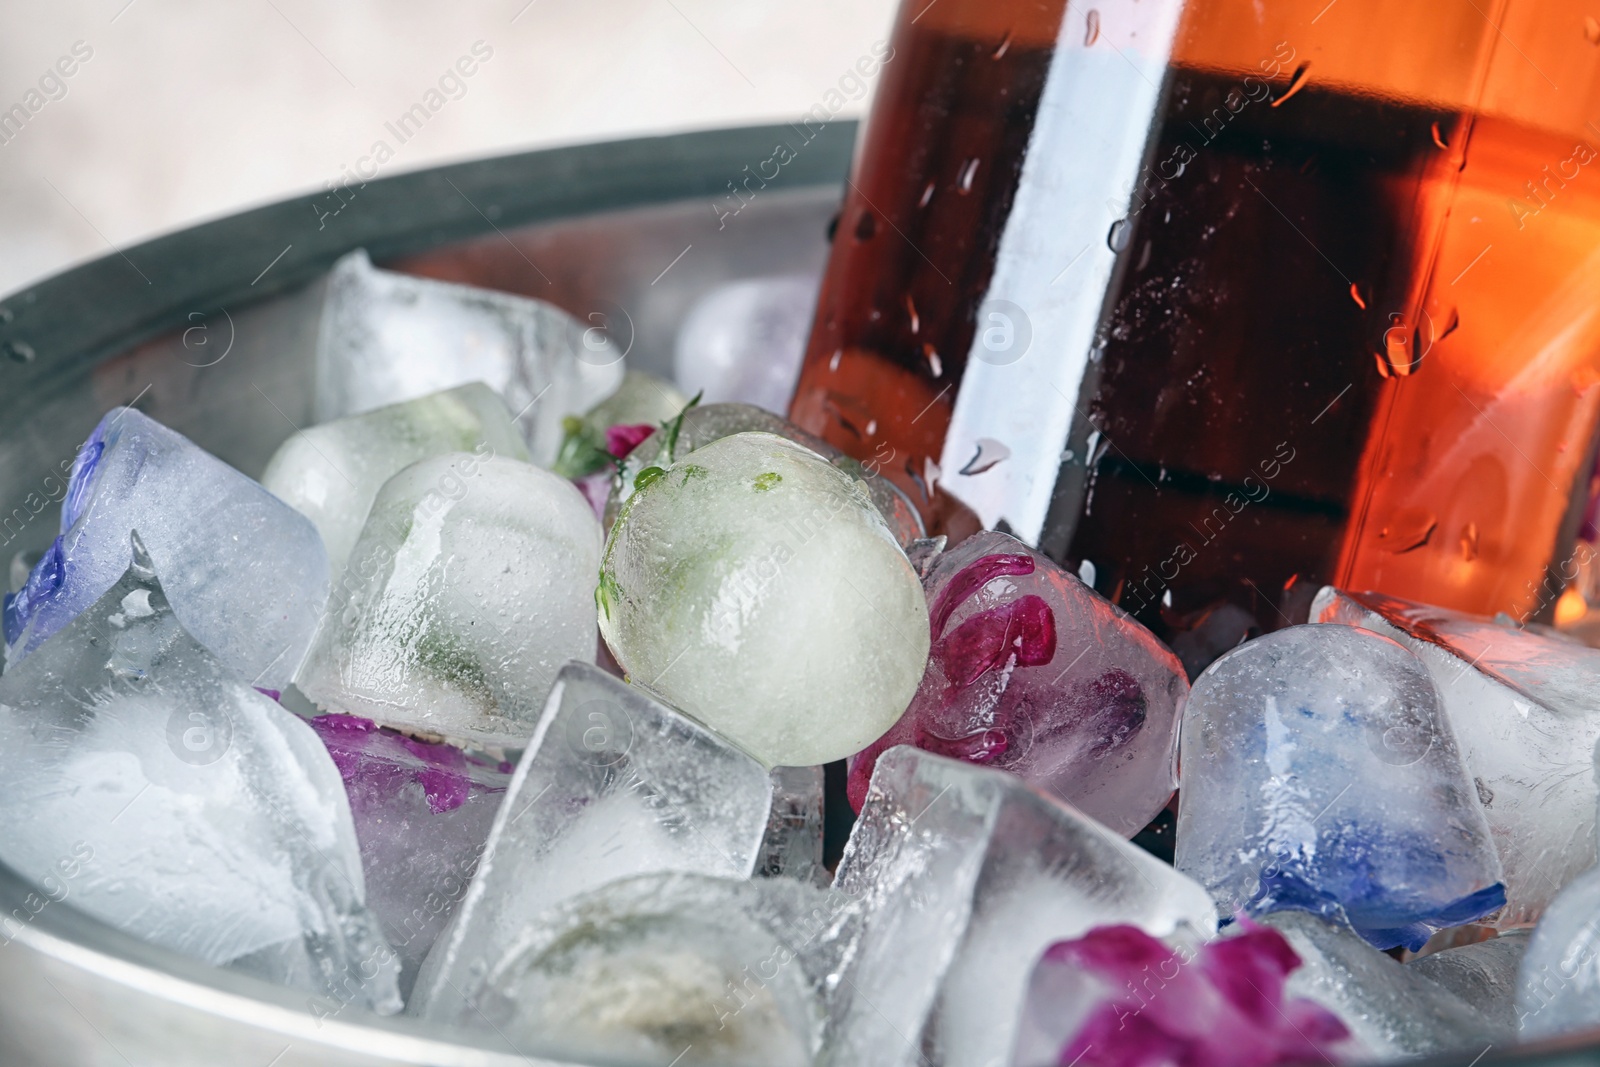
x,y
1237,373
1240,371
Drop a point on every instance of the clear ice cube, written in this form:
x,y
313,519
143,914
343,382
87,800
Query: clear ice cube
x,y
471,584
1320,773
331,473
387,337
743,341
246,573
1033,672
164,796
756,587
792,847
1483,974
1558,983
1391,1010
673,968
640,405
613,784
1523,708
422,816
964,875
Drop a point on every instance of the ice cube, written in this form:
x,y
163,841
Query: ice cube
x,y
1483,974
964,876
638,407
246,573
1119,996
471,584
672,968
1558,983
1319,772
1392,1010
744,341
422,816
699,425
148,785
388,337
1033,672
331,473
1523,708
756,587
613,784
792,847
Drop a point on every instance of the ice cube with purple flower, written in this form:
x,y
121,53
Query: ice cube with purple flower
x,y
1321,774
245,573
1033,672
422,815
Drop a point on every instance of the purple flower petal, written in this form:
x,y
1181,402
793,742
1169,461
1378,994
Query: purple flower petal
x,y
1025,629
1221,1007
971,578
623,439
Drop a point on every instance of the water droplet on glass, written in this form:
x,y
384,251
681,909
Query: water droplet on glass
x,y
911,312
1591,29
1438,135
935,364
1383,365
1117,239
1469,542
1410,530
1002,48
866,226
833,361
1091,27
1450,324
1296,83
1355,294
927,195
989,453
968,171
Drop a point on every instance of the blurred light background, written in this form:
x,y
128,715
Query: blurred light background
x,y
185,110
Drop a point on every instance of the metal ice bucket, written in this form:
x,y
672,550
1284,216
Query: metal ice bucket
x,y
210,330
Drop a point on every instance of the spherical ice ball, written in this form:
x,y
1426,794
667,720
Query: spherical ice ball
x,y
755,586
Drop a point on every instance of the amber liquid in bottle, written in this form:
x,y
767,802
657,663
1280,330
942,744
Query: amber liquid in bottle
x,y
1348,332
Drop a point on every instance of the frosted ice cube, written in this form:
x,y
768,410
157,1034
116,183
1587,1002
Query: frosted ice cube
x,y
1484,975
1319,772
1391,1009
471,584
699,425
388,337
182,806
744,341
246,573
1558,983
673,968
1523,708
1033,672
792,847
756,587
613,784
331,473
422,815
964,876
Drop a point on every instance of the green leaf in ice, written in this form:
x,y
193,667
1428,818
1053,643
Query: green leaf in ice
x,y
607,593
648,477
766,481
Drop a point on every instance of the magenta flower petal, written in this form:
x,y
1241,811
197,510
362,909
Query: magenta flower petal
x,y
1131,1000
622,439
1024,629
971,578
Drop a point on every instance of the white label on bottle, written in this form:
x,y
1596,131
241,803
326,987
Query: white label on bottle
x,y
1034,329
